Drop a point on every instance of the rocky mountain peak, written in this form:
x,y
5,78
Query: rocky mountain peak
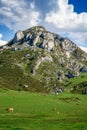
x,y
38,37
45,56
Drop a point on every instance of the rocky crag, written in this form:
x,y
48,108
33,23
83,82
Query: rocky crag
x,y
47,57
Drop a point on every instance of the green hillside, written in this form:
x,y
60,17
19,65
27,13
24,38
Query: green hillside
x,y
78,84
16,72
36,60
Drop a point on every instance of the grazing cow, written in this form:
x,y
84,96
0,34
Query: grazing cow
x,y
10,109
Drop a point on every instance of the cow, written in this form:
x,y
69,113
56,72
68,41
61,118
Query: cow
x,y
10,109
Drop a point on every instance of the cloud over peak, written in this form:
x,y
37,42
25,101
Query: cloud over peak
x,y
17,14
60,17
64,17
67,22
23,14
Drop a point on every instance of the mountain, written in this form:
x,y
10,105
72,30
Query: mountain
x,y
38,60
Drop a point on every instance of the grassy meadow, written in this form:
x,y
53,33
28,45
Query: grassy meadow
x,y
36,111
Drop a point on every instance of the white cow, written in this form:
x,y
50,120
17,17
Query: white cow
x,y
10,109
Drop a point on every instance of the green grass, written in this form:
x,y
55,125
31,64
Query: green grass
x,y
34,111
77,81
80,79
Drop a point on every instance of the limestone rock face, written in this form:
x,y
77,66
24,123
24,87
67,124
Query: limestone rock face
x,y
46,57
39,37
18,36
68,45
36,40
62,51
50,45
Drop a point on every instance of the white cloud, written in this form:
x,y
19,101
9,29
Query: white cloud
x,y
67,22
65,19
18,15
1,41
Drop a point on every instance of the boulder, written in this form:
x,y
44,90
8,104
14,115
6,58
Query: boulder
x,y
83,69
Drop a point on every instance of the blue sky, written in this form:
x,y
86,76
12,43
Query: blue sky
x,y
79,5
65,17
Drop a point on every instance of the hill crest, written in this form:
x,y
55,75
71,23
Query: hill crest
x,y
44,57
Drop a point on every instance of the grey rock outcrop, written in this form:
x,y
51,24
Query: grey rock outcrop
x,y
68,45
44,58
39,37
66,59
83,69
18,36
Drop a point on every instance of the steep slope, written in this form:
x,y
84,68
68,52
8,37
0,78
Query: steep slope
x,y
40,59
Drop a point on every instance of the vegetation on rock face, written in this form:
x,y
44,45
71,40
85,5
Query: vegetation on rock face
x,y
41,60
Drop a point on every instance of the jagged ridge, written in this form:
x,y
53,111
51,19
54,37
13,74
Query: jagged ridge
x,y
48,57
